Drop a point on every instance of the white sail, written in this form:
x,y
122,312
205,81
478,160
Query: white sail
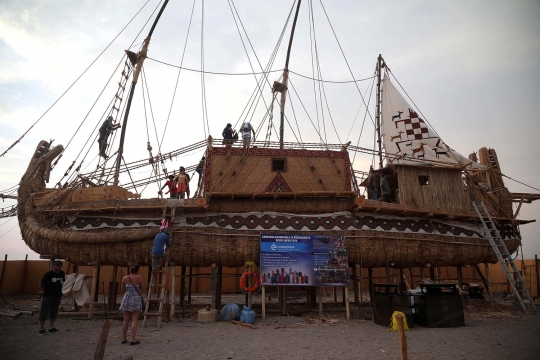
x,y
407,138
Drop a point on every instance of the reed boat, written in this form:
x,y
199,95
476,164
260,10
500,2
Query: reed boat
x,y
277,187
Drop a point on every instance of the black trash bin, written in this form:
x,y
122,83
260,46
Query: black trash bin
x,y
386,300
439,305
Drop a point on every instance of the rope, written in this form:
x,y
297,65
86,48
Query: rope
x,y
203,85
345,58
76,80
177,77
508,177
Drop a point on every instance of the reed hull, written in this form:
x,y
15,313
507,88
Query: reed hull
x,y
201,245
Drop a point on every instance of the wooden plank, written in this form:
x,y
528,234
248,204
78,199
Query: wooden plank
x,y
93,294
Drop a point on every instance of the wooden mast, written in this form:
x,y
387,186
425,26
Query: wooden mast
x,y
285,80
140,60
380,65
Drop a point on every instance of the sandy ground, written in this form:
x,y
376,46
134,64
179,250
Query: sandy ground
x,y
488,334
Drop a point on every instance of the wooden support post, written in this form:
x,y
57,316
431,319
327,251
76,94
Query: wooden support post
x,y
263,302
173,291
213,287
96,295
412,277
25,270
537,271
312,291
218,287
190,282
347,307
460,277
249,284
3,272
284,308
93,293
73,302
182,286
320,299
402,337
388,280
343,295
487,282
432,273
370,283
402,280
356,270
102,341
334,292
114,291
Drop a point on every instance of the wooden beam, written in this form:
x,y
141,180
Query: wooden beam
x,y
93,293
102,341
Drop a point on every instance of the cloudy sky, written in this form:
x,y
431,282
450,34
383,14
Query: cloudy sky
x,y
472,67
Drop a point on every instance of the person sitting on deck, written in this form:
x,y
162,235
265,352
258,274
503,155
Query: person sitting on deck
x,y
161,242
228,135
104,131
246,131
181,180
172,188
373,184
386,192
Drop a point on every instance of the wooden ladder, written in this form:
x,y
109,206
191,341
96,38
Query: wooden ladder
x,y
161,287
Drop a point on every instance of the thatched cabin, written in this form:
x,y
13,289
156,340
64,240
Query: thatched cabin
x,y
431,187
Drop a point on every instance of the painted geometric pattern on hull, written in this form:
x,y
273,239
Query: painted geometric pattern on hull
x,y
289,222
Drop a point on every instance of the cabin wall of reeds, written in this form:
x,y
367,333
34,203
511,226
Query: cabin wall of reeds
x,y
253,170
430,187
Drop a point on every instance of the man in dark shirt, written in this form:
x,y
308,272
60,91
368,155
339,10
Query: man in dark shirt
x,y
51,283
228,135
373,185
104,131
161,242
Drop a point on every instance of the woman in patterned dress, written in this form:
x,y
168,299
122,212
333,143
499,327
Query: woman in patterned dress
x,y
132,303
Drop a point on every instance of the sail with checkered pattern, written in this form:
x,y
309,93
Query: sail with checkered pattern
x,y
408,138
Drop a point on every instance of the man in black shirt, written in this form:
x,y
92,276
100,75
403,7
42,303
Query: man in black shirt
x,y
105,130
51,283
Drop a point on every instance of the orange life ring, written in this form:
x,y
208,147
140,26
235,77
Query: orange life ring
x,y
243,279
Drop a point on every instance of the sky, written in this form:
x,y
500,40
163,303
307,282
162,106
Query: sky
x,y
471,67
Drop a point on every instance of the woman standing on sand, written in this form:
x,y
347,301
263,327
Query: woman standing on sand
x,y
132,303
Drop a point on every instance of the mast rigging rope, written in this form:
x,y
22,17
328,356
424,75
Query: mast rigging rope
x,y
76,80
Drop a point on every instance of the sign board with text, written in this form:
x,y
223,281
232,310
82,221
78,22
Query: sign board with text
x,y
304,260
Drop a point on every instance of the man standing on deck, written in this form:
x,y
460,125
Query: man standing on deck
x,y
104,131
246,131
172,187
161,242
51,283
373,184
228,135
182,181
386,192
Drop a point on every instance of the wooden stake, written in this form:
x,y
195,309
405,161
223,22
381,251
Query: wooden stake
x,y
346,296
537,277
320,299
114,290
183,286
25,270
402,337
460,277
355,281
370,282
485,281
93,293
218,286
102,341
3,272
173,290
190,282
213,302
263,302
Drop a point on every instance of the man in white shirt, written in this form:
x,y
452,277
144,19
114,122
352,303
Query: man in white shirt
x,y
246,131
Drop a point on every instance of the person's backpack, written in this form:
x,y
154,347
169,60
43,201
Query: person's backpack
x,y
246,127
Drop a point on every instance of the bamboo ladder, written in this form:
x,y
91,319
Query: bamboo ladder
x,y
162,286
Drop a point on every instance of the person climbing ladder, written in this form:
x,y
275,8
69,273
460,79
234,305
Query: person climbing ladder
x,y
105,130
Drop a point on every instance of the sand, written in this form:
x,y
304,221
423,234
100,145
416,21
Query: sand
x,y
488,334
